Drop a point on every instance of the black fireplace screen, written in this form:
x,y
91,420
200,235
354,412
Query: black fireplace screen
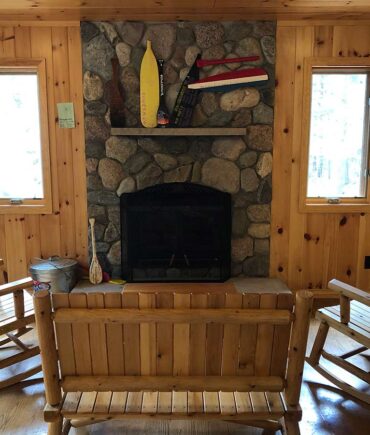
x,y
176,232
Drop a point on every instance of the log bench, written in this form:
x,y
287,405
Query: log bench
x,y
233,357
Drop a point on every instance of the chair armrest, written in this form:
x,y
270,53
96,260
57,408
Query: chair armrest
x,y
14,286
350,291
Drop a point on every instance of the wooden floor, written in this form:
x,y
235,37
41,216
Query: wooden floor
x,y
325,409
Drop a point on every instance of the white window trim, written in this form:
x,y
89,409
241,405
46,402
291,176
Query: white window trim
x,y
44,205
321,205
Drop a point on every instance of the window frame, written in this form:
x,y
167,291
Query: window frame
x,y
44,205
311,204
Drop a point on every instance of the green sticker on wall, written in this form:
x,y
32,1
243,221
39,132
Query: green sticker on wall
x,y
66,115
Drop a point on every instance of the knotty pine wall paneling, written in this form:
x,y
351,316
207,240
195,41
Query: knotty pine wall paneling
x,y
64,232
309,249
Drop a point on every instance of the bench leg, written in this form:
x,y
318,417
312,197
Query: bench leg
x,y
55,427
86,421
318,344
291,426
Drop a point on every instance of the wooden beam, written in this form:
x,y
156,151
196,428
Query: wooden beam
x,y
203,131
351,330
172,383
12,287
350,291
351,368
17,324
195,315
49,357
298,343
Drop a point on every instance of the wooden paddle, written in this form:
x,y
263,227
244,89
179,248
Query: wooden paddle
x,y
95,272
149,88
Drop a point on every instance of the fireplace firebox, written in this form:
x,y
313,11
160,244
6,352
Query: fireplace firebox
x,y
176,232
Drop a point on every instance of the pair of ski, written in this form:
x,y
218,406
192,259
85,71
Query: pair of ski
x,y
192,85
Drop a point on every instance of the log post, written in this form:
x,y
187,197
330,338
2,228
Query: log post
x,y
318,344
18,298
297,348
344,309
56,427
49,358
2,272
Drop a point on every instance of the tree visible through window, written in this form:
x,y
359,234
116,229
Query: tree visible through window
x,y
338,139
25,179
20,143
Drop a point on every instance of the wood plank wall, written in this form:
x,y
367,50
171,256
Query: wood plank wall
x,y
309,249
64,233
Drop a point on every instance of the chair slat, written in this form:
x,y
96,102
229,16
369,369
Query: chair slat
x,y
150,402
198,339
259,402
164,338
165,402
214,338
64,337
181,339
116,361
179,402
281,339
148,338
195,402
357,316
274,402
248,335
102,402
243,402
98,338
227,403
71,401
134,402
230,345
118,402
87,402
131,336
211,402
81,337
265,336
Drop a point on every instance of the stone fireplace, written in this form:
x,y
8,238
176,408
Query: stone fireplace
x,y
239,166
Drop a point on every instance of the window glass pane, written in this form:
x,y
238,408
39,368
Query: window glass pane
x,y
20,146
337,149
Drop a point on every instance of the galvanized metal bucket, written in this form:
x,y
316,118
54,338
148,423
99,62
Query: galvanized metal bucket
x,y
55,274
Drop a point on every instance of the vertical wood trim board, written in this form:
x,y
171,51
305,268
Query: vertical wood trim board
x,y
309,249
64,232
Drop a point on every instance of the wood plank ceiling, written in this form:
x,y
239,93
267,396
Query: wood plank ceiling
x,y
183,9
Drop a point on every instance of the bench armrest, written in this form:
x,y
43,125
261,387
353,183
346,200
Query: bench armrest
x,y
350,291
14,286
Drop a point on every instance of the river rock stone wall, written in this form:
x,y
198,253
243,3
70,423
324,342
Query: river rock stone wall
x,y
239,165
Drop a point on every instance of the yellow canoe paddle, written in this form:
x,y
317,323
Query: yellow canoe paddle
x,y
149,88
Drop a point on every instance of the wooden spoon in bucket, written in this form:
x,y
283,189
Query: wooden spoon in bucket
x,y
95,272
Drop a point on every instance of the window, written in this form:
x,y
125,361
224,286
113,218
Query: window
x,y
336,135
24,164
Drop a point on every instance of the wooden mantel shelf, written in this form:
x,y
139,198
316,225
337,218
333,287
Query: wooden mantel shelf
x,y
178,131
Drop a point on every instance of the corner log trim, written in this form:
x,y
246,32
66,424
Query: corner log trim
x,y
192,316
172,383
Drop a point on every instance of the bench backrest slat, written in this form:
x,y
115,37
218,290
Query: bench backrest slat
x,y
150,348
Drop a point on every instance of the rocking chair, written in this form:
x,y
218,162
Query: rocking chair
x,y
16,320
351,318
